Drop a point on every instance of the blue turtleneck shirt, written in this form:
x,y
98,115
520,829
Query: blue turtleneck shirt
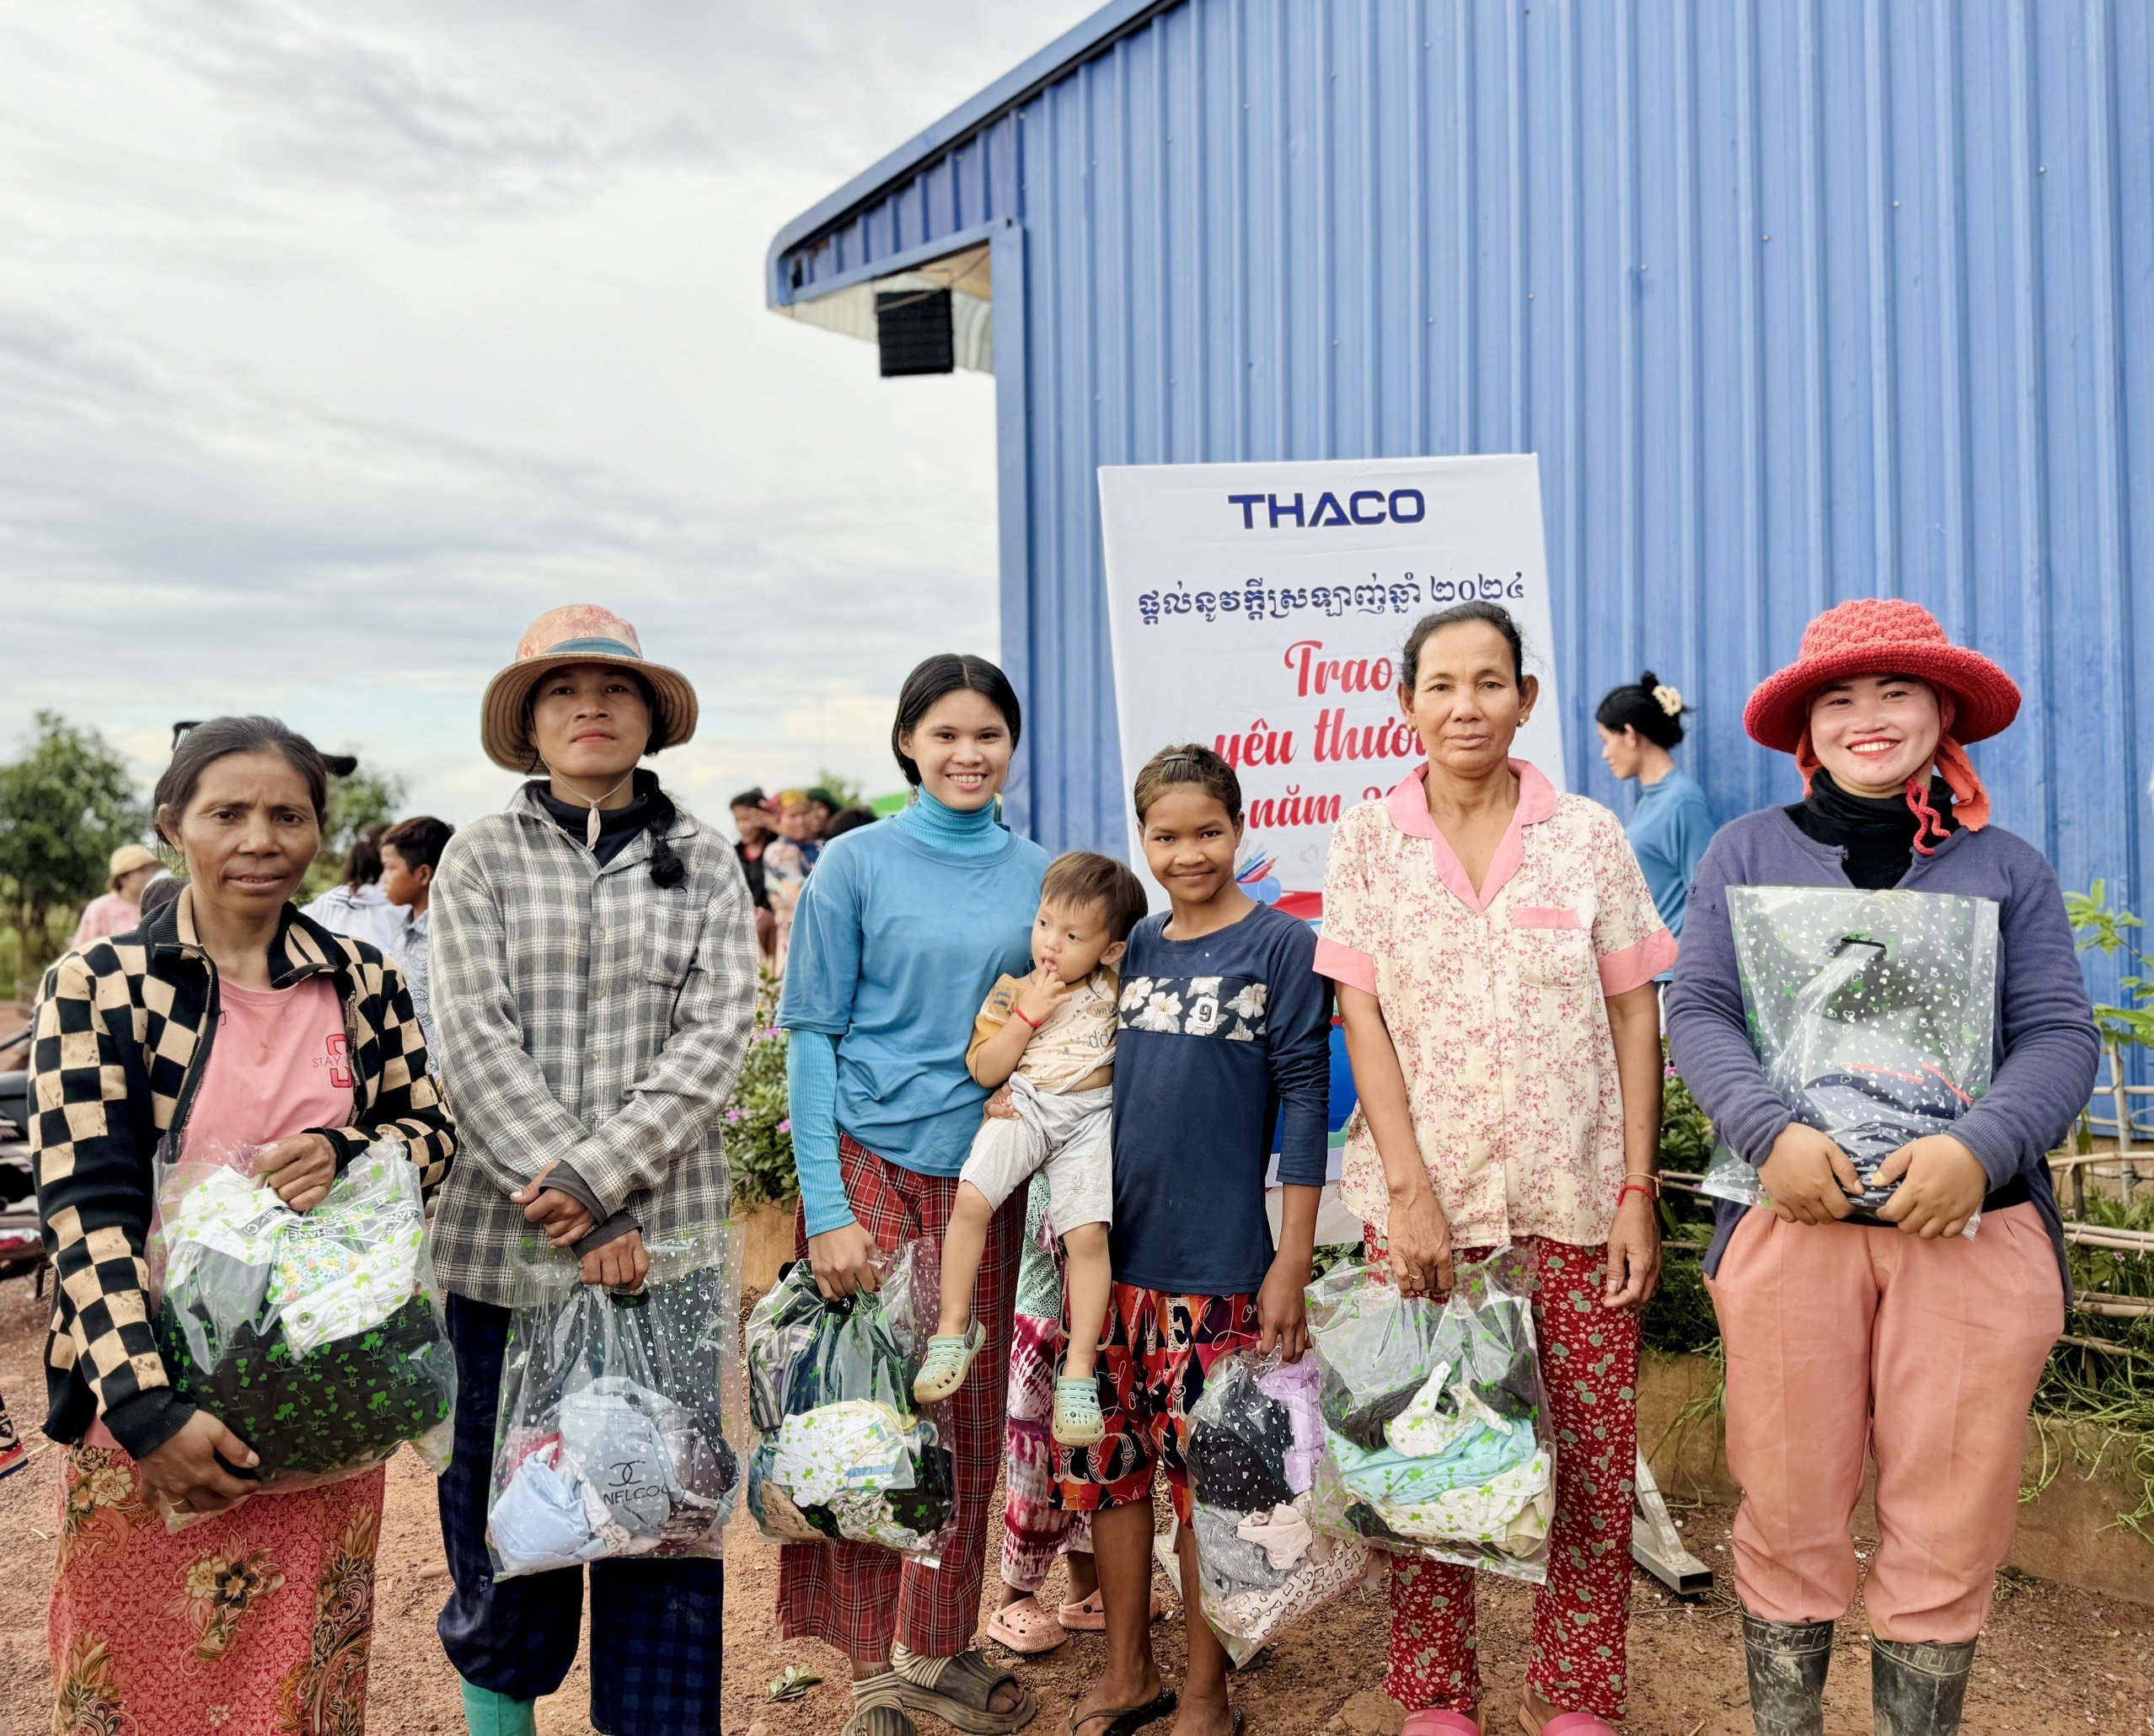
x,y
901,931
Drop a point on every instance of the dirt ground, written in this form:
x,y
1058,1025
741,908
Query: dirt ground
x,y
2056,1660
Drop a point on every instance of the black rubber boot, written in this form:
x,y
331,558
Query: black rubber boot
x,y
1918,1689
1787,1664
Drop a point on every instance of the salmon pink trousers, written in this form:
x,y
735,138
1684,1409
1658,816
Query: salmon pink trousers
x,y
1846,1342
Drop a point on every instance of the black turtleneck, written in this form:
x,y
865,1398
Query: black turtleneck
x,y
617,826
1877,832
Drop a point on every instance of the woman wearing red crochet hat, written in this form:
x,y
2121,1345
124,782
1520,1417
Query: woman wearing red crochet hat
x,y
1859,1319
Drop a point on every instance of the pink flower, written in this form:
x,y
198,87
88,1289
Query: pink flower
x,y
786,1125
734,1116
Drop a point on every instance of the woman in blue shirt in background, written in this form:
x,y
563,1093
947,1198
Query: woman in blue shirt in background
x,y
1672,822
901,932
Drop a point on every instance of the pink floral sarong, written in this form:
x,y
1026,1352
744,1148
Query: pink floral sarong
x,y
254,1623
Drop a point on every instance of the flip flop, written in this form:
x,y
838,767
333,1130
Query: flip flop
x,y
1089,1614
948,1360
959,1691
1128,1720
1573,1723
1440,1720
1026,1628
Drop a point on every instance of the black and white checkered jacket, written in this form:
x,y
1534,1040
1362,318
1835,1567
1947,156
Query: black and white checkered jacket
x,y
122,1035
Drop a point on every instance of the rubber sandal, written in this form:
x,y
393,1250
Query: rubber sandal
x,y
1026,1629
948,1360
1089,1614
1440,1720
958,1689
1128,1720
1077,1419
879,1708
1575,1723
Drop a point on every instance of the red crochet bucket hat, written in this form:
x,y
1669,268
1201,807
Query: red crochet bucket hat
x,y
1881,635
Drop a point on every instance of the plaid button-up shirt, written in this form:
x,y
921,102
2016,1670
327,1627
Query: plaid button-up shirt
x,y
585,1015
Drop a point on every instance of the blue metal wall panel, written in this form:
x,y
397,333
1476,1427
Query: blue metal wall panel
x,y
1797,299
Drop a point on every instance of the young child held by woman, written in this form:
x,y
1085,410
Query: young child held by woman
x,y
1224,1036
1048,1036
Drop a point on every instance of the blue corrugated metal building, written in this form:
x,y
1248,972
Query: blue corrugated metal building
x,y
1797,300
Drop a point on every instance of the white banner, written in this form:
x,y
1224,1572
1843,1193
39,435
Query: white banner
x,y
1260,609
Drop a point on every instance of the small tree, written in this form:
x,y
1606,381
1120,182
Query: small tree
x,y
849,794
365,798
65,805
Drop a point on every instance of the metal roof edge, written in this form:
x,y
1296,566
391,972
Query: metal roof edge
x,y
1094,35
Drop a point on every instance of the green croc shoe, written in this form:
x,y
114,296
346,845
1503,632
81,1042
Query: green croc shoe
x,y
948,1360
1077,1419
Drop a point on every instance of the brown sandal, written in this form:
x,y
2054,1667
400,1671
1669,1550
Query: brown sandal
x,y
960,1690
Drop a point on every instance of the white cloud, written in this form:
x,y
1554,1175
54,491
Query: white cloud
x,y
335,344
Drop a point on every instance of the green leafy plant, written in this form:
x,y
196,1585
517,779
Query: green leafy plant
x,y
2110,932
796,1682
758,1121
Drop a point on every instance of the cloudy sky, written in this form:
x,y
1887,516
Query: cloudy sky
x,y
337,342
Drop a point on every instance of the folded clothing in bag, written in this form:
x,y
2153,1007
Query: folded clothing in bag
x,y
1437,1439
1254,1437
1874,1014
316,1338
846,1453
610,1440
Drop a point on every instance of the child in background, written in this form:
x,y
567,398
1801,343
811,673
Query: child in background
x,y
1223,1024
1049,1037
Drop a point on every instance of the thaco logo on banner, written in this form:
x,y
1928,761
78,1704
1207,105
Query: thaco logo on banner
x,y
1261,609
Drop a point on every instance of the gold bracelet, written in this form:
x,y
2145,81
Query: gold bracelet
x,y
1646,1176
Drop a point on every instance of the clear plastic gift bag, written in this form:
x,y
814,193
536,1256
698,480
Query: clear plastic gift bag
x,y
846,1453
1436,1435
1873,1013
317,1338
610,1440
1255,1435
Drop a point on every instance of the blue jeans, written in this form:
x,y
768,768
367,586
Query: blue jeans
x,y
656,1626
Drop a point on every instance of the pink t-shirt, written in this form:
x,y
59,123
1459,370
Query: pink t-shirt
x,y
278,1066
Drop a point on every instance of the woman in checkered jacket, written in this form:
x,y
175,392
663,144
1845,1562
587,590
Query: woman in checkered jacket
x,y
593,980
227,1018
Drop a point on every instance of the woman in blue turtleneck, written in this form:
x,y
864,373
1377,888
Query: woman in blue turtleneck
x,y
902,931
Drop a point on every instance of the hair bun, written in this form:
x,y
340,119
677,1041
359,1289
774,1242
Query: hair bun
x,y
1648,681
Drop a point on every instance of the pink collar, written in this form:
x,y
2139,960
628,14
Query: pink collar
x,y
1408,807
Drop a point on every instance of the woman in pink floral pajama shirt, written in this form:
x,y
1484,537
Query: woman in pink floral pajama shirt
x,y
1495,945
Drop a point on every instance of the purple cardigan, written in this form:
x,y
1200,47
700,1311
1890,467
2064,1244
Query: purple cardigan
x,y
2046,1050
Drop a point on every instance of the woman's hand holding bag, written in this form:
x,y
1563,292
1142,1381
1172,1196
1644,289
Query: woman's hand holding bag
x,y
1419,1237
188,1473
843,1260
1808,1179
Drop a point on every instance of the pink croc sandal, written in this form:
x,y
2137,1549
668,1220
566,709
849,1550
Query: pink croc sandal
x,y
1090,1615
1440,1720
1576,1723
1026,1628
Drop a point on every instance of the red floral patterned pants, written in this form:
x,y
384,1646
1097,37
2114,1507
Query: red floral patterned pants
x,y
1590,1363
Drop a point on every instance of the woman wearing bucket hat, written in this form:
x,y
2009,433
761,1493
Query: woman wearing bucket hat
x,y
118,906
594,977
1901,1340
901,931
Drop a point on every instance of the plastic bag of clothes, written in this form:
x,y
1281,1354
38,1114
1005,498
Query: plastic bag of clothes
x,y
1436,1433
610,1440
1255,1438
318,1337
846,1452
1873,1013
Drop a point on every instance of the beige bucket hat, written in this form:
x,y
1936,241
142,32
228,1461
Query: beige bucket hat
x,y
577,633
